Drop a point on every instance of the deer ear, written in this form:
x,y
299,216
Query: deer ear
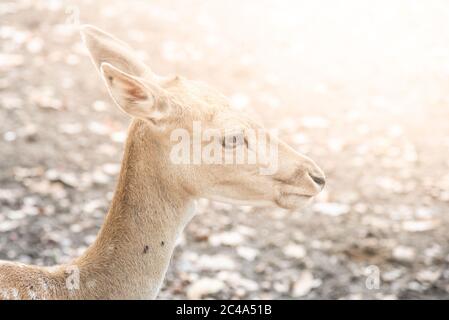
x,y
104,47
135,96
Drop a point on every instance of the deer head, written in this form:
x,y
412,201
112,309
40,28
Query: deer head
x,y
196,132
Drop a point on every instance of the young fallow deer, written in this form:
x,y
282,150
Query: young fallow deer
x,y
154,198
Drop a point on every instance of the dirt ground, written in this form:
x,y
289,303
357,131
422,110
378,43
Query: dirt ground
x,y
362,87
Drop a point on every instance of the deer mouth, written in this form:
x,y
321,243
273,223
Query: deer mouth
x,y
292,200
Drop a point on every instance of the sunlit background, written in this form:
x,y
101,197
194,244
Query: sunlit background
x,y
360,86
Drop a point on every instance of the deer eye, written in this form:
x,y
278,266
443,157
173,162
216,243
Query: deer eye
x,y
233,140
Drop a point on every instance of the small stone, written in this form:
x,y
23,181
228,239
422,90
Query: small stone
x,y
204,287
391,275
419,226
71,128
281,287
235,280
99,177
247,253
11,102
230,238
415,286
111,169
429,276
304,284
98,128
248,284
44,99
331,208
404,254
119,137
9,136
216,262
100,106
360,208
70,179
8,61
295,251
432,253
35,45
424,213
6,226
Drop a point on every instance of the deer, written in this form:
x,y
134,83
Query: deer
x,y
155,198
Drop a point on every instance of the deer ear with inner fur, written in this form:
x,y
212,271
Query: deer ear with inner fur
x,y
105,48
137,97
132,84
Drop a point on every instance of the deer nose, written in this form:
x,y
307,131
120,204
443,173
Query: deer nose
x,y
318,179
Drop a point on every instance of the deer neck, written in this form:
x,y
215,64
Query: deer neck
x,y
131,254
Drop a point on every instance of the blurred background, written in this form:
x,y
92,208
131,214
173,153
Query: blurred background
x,y
360,86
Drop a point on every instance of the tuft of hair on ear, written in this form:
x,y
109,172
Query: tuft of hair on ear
x,y
128,92
139,98
131,89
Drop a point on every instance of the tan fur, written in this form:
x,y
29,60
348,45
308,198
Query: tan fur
x,y
154,198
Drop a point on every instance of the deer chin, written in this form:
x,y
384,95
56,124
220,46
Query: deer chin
x,y
293,201
238,202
